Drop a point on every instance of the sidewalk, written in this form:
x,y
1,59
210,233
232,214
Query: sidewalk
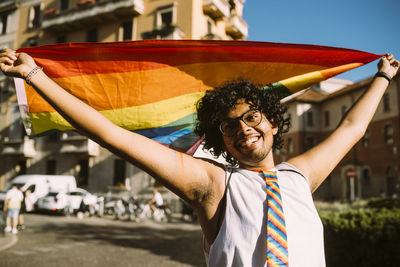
x,y
7,240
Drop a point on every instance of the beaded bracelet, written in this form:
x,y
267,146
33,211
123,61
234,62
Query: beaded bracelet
x,y
384,75
32,73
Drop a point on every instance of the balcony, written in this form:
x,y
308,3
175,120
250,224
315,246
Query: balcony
x,y
168,32
91,13
78,144
19,147
9,5
236,27
216,9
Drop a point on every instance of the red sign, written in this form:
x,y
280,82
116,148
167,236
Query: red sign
x,y
351,173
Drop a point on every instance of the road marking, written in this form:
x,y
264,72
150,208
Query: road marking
x,y
22,252
44,249
8,242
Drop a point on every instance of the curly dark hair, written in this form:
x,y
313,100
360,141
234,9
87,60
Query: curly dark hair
x,y
217,103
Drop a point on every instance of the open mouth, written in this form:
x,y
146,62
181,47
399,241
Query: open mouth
x,y
247,142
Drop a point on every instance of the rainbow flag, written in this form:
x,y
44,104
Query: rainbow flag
x,y
151,87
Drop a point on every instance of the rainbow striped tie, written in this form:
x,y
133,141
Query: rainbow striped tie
x,y
277,250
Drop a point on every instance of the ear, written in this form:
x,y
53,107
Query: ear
x,y
274,127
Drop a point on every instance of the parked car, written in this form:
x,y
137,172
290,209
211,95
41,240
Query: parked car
x,y
68,202
40,185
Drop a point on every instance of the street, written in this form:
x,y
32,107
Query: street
x,y
51,240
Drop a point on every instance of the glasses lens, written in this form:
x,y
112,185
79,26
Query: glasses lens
x,y
252,118
228,127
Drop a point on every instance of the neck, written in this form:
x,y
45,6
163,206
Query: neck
x,y
264,165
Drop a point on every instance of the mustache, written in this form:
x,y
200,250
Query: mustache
x,y
263,134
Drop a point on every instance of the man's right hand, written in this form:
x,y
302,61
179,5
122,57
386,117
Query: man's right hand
x,y
16,64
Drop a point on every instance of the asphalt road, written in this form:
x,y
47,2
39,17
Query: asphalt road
x,y
51,240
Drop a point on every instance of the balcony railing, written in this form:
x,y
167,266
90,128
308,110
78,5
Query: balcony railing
x,y
216,8
236,27
91,13
19,147
78,144
171,32
9,4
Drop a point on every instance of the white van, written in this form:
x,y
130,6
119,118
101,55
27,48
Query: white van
x,y
40,185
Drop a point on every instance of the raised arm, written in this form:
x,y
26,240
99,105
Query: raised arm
x,y
319,161
189,178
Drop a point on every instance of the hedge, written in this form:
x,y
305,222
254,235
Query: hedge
x,y
364,237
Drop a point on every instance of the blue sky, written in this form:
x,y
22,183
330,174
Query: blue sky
x,y
368,25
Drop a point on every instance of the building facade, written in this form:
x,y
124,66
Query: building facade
x,y
370,169
26,23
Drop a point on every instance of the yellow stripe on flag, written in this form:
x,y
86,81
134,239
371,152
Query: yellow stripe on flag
x,y
132,118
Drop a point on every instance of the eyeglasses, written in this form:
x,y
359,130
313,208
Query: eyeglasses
x,y
251,118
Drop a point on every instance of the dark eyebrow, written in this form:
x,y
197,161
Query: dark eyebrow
x,y
233,119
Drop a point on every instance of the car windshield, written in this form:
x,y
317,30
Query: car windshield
x,y
76,193
52,194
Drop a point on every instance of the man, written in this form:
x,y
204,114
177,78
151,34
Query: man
x,y
12,205
157,201
228,202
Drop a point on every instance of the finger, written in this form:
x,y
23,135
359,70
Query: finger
x,y
3,67
389,56
392,61
7,60
383,60
9,54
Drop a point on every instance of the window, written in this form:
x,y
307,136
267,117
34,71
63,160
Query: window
x,y
76,193
386,102
22,167
31,188
165,17
61,39
119,172
366,175
64,5
365,138
388,134
310,119
51,166
92,35
34,16
327,118
290,145
3,24
83,174
127,30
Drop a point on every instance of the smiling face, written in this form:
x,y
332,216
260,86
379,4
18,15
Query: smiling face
x,y
250,146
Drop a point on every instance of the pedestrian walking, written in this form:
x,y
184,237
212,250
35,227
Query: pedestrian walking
x,y
12,205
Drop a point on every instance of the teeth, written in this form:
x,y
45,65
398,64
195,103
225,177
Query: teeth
x,y
249,141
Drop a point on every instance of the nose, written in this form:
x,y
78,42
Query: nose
x,y
242,127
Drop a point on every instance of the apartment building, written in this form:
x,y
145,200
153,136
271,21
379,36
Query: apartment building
x,y
370,169
26,23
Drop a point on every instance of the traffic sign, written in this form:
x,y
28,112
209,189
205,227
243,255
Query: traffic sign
x,y
351,173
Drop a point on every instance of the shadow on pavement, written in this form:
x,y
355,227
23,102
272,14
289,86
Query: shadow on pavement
x,y
170,240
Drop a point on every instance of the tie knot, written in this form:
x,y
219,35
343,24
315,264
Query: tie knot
x,y
270,176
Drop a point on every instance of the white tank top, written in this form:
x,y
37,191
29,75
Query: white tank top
x,y
241,240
